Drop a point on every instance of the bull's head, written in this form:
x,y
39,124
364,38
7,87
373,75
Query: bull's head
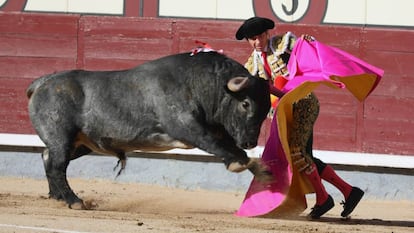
x,y
247,109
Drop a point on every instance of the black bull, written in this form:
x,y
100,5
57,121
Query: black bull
x,y
208,101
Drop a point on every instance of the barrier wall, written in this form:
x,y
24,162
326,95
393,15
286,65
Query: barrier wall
x,y
33,44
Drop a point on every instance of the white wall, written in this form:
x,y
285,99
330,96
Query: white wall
x,y
353,12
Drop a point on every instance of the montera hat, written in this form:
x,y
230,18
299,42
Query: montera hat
x,y
254,26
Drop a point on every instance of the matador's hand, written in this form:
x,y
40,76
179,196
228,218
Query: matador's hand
x,y
307,37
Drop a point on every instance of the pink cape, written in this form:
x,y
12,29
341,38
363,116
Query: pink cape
x,y
310,64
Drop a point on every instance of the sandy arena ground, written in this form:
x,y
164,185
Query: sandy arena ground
x,y
24,207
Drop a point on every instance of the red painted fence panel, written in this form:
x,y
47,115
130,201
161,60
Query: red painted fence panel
x,y
32,45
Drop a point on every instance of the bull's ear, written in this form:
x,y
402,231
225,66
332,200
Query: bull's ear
x,y
237,83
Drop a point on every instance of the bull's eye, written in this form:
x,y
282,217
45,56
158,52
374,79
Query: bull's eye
x,y
245,105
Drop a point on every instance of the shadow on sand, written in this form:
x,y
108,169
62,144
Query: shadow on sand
x,y
374,222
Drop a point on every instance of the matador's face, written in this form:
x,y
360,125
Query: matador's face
x,y
259,42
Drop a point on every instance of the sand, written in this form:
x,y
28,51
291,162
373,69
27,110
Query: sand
x,y
122,207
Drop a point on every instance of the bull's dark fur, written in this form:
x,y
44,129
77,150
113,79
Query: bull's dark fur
x,y
179,101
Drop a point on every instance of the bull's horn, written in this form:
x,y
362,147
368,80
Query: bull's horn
x,y
238,83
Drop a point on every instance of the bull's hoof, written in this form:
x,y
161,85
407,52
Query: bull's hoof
x,y
265,177
260,171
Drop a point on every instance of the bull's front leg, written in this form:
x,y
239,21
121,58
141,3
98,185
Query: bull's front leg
x,y
234,158
218,143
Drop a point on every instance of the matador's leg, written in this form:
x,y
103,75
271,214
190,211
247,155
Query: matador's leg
x,y
305,113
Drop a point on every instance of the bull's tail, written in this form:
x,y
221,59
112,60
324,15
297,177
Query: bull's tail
x,y
36,83
31,88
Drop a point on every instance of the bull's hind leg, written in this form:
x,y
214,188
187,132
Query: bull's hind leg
x,y
56,161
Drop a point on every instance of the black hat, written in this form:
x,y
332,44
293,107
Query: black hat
x,y
254,26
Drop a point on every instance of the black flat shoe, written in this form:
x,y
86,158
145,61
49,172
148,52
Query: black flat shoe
x,y
319,210
354,197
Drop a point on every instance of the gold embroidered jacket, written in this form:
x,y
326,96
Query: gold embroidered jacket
x,y
279,49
